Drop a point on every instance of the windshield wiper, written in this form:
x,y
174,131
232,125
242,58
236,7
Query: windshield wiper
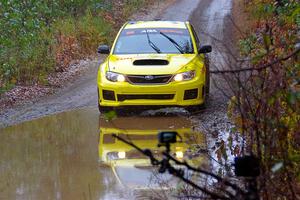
x,y
178,47
151,44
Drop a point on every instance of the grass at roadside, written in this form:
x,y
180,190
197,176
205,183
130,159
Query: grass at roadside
x,y
39,38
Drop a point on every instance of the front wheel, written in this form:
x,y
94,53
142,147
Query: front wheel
x,y
207,78
197,108
104,109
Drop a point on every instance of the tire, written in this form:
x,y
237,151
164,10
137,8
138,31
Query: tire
x,y
104,109
206,88
202,106
196,108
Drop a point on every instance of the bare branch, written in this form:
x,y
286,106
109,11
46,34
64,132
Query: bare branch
x,y
206,172
257,68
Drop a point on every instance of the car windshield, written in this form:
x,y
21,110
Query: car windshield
x,y
153,41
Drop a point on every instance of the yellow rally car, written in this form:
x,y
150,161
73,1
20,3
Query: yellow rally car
x,y
154,63
134,170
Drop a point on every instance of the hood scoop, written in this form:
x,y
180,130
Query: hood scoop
x,y
151,62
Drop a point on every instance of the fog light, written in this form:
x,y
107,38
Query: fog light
x,y
190,94
109,95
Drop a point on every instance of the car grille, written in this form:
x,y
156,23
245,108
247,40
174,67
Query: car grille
x,y
123,97
149,79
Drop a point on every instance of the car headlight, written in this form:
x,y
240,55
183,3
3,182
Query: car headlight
x,y
179,154
185,76
115,77
116,155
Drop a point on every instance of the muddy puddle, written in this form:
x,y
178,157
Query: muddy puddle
x,y
72,155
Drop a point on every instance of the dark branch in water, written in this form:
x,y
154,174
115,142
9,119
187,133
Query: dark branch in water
x,y
220,179
166,166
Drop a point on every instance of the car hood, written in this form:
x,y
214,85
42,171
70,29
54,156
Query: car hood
x,y
149,64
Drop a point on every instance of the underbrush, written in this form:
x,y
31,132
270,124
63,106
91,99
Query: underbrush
x,y
41,37
78,38
266,105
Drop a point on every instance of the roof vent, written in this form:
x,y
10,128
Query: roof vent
x,y
151,62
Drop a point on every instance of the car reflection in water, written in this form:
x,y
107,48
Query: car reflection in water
x,y
134,170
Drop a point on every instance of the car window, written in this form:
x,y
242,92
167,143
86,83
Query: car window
x,y
166,40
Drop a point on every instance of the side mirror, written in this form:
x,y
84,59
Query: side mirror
x,y
205,49
103,49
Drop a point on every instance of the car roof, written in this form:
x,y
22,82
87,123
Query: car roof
x,y
156,24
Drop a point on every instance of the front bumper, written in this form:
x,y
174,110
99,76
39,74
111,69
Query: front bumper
x,y
174,93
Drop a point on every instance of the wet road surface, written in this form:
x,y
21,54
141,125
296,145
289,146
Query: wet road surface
x,y
51,158
65,156
72,155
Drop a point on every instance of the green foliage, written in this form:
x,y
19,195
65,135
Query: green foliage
x,y
88,31
290,13
133,4
36,37
247,45
263,10
91,31
110,115
27,37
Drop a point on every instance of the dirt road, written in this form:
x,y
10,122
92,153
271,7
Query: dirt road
x,y
57,156
208,17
